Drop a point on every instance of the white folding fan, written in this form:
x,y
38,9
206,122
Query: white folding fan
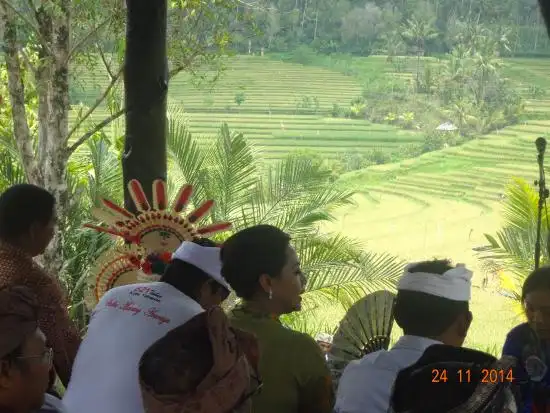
x,y
366,328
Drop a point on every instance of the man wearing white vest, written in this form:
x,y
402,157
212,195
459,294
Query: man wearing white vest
x,y
130,318
432,307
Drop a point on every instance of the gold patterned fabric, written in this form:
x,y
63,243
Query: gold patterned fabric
x,y
228,383
17,268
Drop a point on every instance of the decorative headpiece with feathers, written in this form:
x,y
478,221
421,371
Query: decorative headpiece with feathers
x,y
148,238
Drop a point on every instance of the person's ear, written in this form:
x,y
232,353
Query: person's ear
x,y
266,283
464,322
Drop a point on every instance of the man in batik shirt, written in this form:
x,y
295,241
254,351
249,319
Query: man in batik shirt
x,y
27,222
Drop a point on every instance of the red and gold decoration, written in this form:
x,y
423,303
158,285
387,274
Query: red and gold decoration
x,y
148,238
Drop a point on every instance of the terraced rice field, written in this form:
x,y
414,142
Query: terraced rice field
x,y
273,115
268,87
441,205
460,186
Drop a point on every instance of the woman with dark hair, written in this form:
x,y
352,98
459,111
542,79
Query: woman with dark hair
x,y
530,343
264,271
27,223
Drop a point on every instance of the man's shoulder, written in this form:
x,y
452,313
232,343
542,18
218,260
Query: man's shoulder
x,y
520,331
360,375
517,338
366,363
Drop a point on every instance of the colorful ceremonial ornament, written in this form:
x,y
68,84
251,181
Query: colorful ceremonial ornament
x,y
148,238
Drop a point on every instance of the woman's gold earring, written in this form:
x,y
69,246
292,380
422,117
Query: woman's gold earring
x,y
270,294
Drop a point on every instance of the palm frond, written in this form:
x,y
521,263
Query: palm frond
x,y
295,195
520,208
11,171
105,175
339,271
512,247
231,173
8,144
183,150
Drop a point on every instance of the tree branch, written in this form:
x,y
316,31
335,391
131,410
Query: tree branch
x,y
104,60
185,65
94,107
88,36
97,128
34,28
107,121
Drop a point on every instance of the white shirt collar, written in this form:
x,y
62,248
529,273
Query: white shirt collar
x,y
417,343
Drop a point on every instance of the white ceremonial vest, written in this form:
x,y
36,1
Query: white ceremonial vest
x,y
125,323
366,384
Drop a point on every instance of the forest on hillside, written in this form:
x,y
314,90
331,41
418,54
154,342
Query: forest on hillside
x,y
392,27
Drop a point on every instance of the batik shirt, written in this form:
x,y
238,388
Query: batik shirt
x,y
18,268
519,343
295,376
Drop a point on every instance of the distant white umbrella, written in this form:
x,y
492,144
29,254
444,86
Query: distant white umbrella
x,y
447,127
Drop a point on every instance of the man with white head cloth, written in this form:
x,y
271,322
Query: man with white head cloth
x,y
130,318
432,307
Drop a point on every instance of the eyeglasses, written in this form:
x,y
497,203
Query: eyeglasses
x,y
46,357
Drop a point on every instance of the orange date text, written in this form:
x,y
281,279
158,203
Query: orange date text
x,y
465,376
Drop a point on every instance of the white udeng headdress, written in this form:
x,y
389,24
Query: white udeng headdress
x,y
205,258
454,284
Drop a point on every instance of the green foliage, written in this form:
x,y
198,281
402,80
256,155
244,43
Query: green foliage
x,y
512,248
417,27
240,97
201,33
296,194
434,141
307,105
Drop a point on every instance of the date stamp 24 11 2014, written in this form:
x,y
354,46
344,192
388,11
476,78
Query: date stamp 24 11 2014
x,y
465,375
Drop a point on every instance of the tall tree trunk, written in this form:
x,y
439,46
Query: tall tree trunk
x,y
16,88
55,168
48,167
145,85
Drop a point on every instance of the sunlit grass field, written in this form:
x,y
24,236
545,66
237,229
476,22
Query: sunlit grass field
x,y
440,205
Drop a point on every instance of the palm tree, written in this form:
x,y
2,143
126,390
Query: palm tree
x,y
419,31
512,248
